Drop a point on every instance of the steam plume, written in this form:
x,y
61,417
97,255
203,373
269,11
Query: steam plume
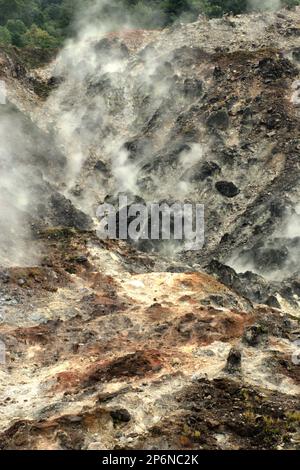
x,y
263,5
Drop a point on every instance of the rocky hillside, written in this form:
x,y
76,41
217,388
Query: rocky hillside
x,y
114,345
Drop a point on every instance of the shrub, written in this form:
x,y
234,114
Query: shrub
x,y
5,36
38,37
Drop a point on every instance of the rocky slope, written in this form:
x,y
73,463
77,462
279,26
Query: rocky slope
x,y
115,345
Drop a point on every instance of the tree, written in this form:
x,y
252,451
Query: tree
x,y
219,7
17,29
49,22
31,12
37,37
8,9
175,8
5,36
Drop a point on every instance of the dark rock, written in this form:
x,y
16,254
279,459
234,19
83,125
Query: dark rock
x,y
229,155
296,54
226,238
253,335
292,32
4,277
273,69
136,148
54,81
254,286
202,171
234,361
102,167
248,284
277,208
121,415
275,120
218,120
64,214
291,288
135,364
218,72
227,188
80,259
225,274
247,115
162,328
225,301
273,302
193,88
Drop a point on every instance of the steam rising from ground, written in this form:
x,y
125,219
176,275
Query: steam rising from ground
x,y
16,180
292,226
94,110
101,103
263,5
279,256
80,114
295,99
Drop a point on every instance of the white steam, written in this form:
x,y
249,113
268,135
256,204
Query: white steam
x,y
80,117
188,158
95,110
16,178
262,5
295,99
292,225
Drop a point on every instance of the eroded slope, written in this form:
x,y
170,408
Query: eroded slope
x,y
107,346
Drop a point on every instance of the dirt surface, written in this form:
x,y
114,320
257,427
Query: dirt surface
x,y
114,345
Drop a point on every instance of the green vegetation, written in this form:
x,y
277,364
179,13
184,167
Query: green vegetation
x,y
5,36
46,23
37,23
